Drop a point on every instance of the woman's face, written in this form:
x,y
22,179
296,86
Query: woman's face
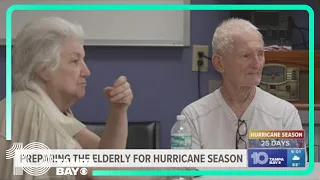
x,y
69,80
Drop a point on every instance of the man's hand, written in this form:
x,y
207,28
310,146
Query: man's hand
x,y
120,94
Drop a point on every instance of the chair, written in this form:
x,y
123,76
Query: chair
x,y
141,135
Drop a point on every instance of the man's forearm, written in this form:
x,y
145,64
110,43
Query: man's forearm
x,y
116,130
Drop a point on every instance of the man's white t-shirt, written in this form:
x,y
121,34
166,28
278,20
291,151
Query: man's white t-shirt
x,y
214,124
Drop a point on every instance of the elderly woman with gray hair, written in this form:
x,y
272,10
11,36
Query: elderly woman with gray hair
x,y
49,75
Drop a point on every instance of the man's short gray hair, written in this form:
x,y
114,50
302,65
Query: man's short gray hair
x,y
38,46
223,37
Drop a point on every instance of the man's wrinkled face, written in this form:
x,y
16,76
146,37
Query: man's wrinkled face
x,y
244,65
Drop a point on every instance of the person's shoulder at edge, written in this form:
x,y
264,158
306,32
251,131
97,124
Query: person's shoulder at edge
x,y
18,99
22,103
272,104
202,106
278,107
26,103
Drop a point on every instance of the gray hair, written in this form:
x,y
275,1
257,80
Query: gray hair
x,y
223,37
38,46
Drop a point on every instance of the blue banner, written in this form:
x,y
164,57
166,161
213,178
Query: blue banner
x,y
296,158
276,158
267,157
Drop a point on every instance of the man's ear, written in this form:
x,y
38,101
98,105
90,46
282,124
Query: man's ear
x,y
217,63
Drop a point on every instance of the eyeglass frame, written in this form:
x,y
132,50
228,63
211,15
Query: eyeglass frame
x,y
238,135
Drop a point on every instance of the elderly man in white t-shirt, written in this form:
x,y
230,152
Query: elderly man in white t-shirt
x,y
222,119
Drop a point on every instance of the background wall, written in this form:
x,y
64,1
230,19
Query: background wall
x,y
161,78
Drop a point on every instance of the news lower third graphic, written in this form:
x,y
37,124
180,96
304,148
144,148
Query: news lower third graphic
x,y
276,158
276,143
41,153
266,149
296,158
36,159
267,158
276,149
267,134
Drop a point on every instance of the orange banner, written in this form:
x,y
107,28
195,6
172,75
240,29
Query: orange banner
x,y
267,134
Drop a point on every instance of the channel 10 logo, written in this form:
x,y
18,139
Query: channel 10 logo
x,y
267,158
